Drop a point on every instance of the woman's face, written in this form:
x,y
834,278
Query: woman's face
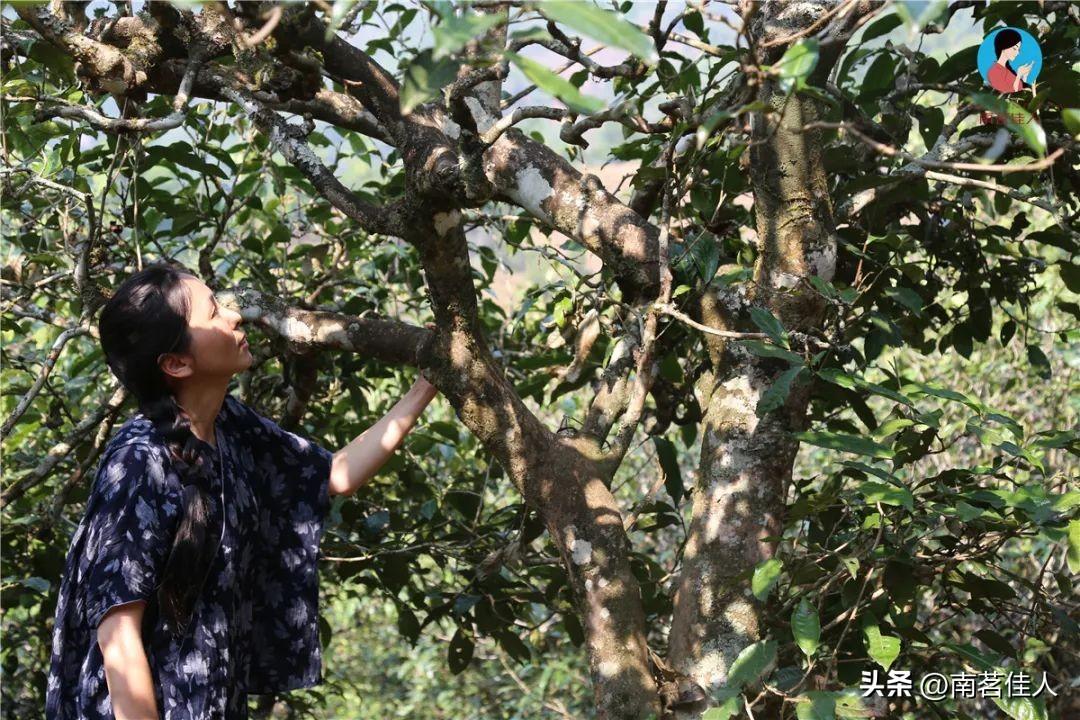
x,y
218,347
1010,53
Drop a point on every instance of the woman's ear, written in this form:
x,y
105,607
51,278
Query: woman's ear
x,y
175,365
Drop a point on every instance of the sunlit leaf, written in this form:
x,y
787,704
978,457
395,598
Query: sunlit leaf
x,y
608,27
558,86
806,627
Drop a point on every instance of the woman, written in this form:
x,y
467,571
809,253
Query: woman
x,y
191,580
1001,75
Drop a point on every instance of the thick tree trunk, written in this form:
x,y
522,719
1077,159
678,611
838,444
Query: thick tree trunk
x,y
746,460
584,520
564,478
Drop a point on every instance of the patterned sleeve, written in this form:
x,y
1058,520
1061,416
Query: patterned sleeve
x,y
293,502
131,519
300,474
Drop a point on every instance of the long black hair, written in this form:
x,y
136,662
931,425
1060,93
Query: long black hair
x,y
1003,41
145,317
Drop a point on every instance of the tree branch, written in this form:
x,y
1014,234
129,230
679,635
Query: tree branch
x,y
382,220
382,339
113,125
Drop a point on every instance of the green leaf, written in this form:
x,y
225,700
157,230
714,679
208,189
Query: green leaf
x,y
456,30
513,645
883,649
797,63
727,708
447,430
704,251
408,625
879,76
1072,555
608,27
765,350
1039,362
876,492
425,77
1071,117
881,26
778,392
806,627
38,584
337,15
816,706
849,704
765,576
769,325
846,443
908,298
669,463
1018,708
1022,708
946,394
1017,119
753,662
558,86
852,382
918,13
1070,275
460,653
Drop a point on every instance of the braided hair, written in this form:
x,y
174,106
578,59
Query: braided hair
x,y
146,317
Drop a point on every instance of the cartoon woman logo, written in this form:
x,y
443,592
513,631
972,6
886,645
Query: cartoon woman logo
x,y
1010,59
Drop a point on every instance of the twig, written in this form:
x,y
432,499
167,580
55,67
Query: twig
x,y
492,134
174,119
668,309
971,167
250,41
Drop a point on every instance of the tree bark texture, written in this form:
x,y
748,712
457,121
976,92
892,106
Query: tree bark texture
x,y
746,459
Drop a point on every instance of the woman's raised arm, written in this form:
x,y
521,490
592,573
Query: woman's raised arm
x,y
356,463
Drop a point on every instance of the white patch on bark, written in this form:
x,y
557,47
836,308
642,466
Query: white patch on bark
x,y
581,551
532,190
784,280
450,128
296,330
484,120
573,197
608,668
711,668
333,331
590,226
445,222
823,260
733,301
740,400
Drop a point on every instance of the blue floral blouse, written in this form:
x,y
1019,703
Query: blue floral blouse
x,y
254,628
